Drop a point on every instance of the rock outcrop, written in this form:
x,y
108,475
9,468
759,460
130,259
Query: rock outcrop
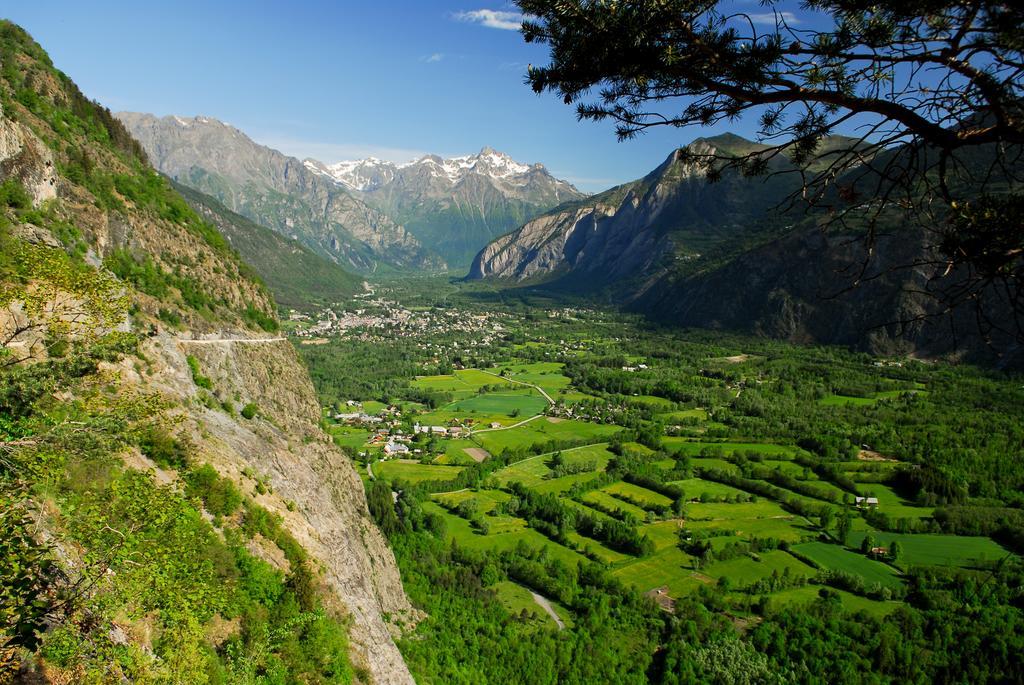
x,y
284,444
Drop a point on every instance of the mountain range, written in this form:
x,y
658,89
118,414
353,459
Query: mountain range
x,y
453,205
367,215
727,255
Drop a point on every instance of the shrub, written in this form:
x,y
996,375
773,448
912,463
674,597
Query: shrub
x,y
249,410
197,376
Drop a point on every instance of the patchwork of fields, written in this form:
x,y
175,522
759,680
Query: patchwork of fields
x,y
757,519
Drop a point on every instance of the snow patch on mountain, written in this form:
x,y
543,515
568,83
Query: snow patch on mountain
x,y
371,173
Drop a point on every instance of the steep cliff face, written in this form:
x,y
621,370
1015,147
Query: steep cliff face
x,y
276,191
727,255
107,279
625,232
284,446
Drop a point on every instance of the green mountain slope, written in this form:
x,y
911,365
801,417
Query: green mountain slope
x,y
297,276
169,507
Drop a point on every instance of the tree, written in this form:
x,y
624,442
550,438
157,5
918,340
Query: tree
x,y
825,518
843,525
931,90
895,550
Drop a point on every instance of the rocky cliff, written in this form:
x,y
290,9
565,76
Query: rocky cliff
x,y
728,255
284,447
132,334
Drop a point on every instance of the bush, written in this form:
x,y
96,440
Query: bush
x,y
197,376
219,495
162,447
13,194
249,410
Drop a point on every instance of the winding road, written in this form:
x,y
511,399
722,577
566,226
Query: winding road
x,y
545,604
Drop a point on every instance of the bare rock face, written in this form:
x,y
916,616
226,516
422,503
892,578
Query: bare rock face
x,y
284,444
24,156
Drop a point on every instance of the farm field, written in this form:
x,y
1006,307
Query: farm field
x,y
788,427
543,430
837,558
694,447
460,530
413,472
938,550
806,594
511,403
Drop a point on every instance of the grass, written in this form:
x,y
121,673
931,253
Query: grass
x,y
414,472
654,402
517,600
937,550
764,518
460,530
547,375
605,554
533,470
523,403
694,447
892,504
746,570
698,414
635,492
663,534
801,596
345,436
540,431
695,488
669,567
842,559
846,401
609,502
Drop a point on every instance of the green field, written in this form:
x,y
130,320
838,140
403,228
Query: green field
x,y
543,430
461,531
745,570
413,472
523,403
547,375
938,550
669,567
533,471
682,415
696,488
846,401
841,559
892,504
635,492
609,502
345,436
799,596
694,447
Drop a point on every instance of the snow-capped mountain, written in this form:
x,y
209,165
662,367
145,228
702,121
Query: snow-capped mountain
x,y
454,205
371,173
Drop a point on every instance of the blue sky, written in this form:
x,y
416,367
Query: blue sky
x,y
340,80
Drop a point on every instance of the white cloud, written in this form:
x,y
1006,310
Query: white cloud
x,y
434,58
769,18
493,19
